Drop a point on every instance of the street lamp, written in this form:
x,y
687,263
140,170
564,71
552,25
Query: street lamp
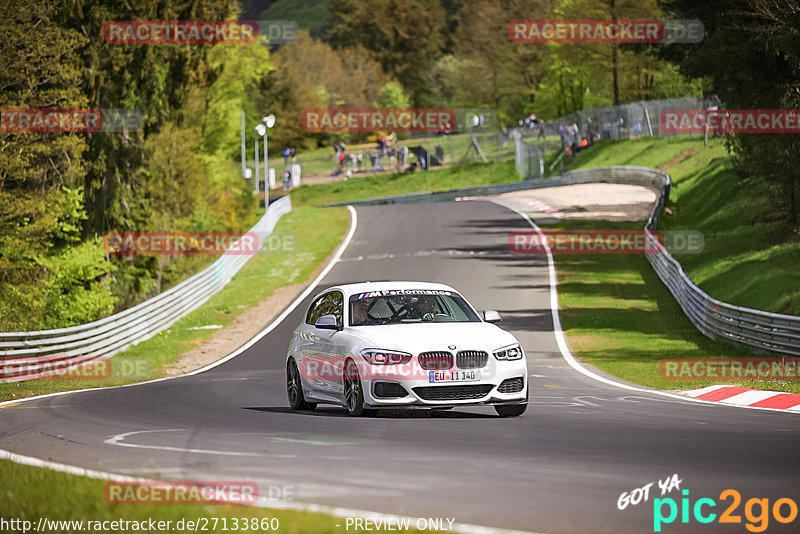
x,y
258,132
268,122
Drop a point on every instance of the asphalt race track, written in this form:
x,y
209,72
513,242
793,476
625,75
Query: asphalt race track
x,y
559,468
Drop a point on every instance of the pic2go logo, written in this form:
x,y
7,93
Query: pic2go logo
x,y
757,511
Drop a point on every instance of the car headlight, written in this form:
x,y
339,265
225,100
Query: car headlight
x,y
385,357
512,352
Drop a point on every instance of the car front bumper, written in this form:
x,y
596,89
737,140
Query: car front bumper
x,y
498,384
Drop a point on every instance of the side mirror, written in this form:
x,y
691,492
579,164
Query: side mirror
x,y
327,322
491,316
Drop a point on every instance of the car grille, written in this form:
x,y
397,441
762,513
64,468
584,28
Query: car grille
x,y
436,393
435,361
389,390
471,359
511,385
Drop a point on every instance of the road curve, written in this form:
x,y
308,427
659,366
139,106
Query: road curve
x,y
559,468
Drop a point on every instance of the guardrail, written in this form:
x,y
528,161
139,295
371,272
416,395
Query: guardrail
x,y
570,178
38,354
755,329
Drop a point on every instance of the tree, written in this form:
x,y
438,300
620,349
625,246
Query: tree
x,y
494,71
392,97
751,52
610,57
405,36
152,80
310,74
41,200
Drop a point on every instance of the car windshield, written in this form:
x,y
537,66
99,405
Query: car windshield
x,y
409,306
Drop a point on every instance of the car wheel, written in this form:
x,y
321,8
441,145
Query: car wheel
x,y
294,388
354,392
510,410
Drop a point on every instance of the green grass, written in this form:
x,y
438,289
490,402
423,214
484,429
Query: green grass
x,y
621,318
398,183
30,493
260,276
646,152
749,258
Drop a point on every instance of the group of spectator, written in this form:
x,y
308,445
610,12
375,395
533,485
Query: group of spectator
x,y
571,139
533,123
348,162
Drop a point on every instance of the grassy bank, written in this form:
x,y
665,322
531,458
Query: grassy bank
x,y
296,250
749,258
620,317
31,493
400,183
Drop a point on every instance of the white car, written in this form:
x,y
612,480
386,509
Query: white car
x,y
403,344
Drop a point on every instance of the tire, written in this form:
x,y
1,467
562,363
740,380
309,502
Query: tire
x,y
294,388
354,392
510,410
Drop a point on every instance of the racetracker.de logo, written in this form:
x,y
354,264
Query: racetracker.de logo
x,y
64,368
605,242
374,120
585,242
180,243
180,31
180,492
605,31
685,121
74,120
724,369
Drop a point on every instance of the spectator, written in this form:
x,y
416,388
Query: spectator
x,y
375,155
287,179
439,153
286,153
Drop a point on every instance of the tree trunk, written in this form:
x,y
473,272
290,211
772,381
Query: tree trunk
x,y
614,58
793,207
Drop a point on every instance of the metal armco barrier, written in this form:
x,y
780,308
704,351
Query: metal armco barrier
x,y
755,329
30,355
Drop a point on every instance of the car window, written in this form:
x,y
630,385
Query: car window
x,y
328,304
409,306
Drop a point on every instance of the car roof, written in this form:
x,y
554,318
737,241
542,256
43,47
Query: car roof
x,y
364,287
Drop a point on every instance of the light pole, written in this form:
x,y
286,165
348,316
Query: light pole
x,y
262,129
256,142
244,152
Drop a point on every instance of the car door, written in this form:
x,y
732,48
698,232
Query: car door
x,y
325,350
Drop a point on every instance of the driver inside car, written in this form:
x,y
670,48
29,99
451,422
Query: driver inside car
x,y
428,309
360,313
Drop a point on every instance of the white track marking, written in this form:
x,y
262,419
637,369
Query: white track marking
x,y
561,339
119,441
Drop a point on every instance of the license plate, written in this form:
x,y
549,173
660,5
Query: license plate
x,y
472,375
